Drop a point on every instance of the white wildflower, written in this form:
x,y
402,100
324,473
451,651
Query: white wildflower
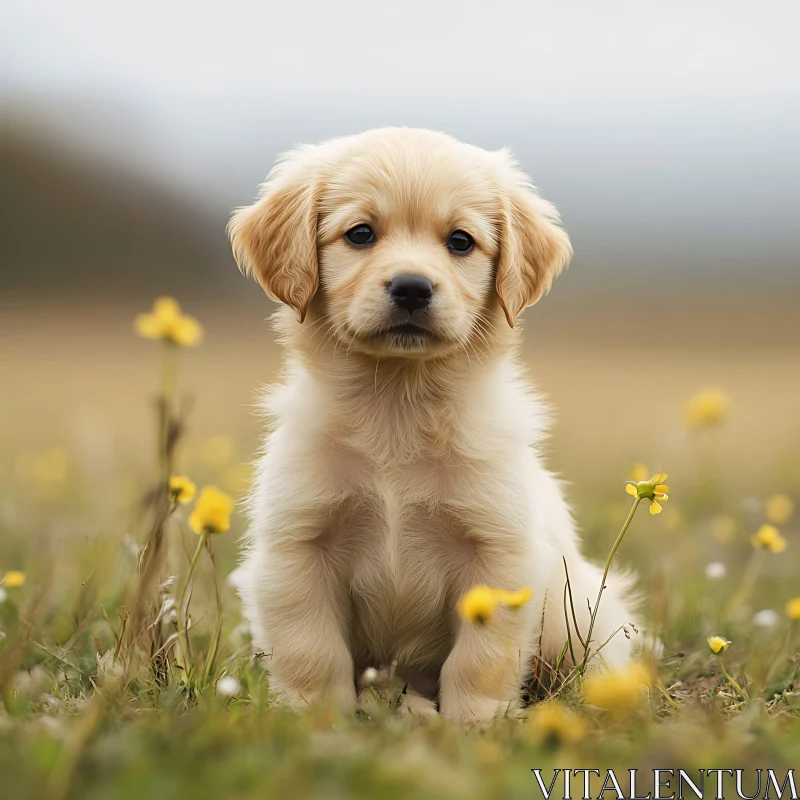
x,y
715,570
228,686
370,676
767,618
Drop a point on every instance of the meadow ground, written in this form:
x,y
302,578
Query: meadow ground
x,y
90,710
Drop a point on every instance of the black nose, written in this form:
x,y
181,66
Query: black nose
x,y
411,292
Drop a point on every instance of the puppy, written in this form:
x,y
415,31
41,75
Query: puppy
x,y
401,468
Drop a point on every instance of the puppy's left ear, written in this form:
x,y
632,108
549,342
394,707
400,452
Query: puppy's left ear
x,y
534,248
275,239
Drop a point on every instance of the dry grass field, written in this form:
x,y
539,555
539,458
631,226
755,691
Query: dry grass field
x,y
90,711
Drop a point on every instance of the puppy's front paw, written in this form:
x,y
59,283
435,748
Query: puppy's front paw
x,y
408,704
467,708
289,698
415,706
298,701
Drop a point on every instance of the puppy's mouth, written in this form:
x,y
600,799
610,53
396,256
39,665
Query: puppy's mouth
x,y
410,338
405,334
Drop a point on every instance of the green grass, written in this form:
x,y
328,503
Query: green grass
x,y
74,724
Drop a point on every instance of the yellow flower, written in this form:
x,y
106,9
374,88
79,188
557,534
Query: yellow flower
x,y
770,537
478,604
717,644
212,512
13,579
166,322
639,472
779,509
516,599
620,692
181,489
793,609
707,407
653,490
554,724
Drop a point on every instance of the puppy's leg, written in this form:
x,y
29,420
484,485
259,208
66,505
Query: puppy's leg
x,y
299,607
481,677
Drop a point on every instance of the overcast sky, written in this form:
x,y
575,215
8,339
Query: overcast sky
x,y
681,118
554,55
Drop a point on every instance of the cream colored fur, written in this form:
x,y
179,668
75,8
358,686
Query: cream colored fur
x,y
397,475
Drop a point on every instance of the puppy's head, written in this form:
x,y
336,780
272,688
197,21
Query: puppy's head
x,y
408,242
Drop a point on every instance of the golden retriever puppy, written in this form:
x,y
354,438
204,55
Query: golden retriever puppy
x,y
401,468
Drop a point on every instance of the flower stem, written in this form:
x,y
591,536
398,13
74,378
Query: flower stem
x,y
753,570
610,558
169,379
214,646
183,612
771,664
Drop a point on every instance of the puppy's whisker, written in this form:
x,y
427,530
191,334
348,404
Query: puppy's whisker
x,y
485,324
335,347
483,328
475,353
319,326
327,338
486,345
481,333
466,353
311,328
478,354
483,318
469,338
353,337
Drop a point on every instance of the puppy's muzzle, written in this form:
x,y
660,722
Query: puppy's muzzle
x,y
410,292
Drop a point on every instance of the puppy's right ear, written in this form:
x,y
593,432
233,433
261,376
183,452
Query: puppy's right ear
x,y
275,239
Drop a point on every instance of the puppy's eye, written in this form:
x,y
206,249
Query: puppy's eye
x,y
360,235
460,242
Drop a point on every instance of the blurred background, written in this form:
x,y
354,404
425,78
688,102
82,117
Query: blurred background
x,y
666,136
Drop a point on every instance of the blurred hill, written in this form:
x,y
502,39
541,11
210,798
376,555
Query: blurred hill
x,y
75,226
100,212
